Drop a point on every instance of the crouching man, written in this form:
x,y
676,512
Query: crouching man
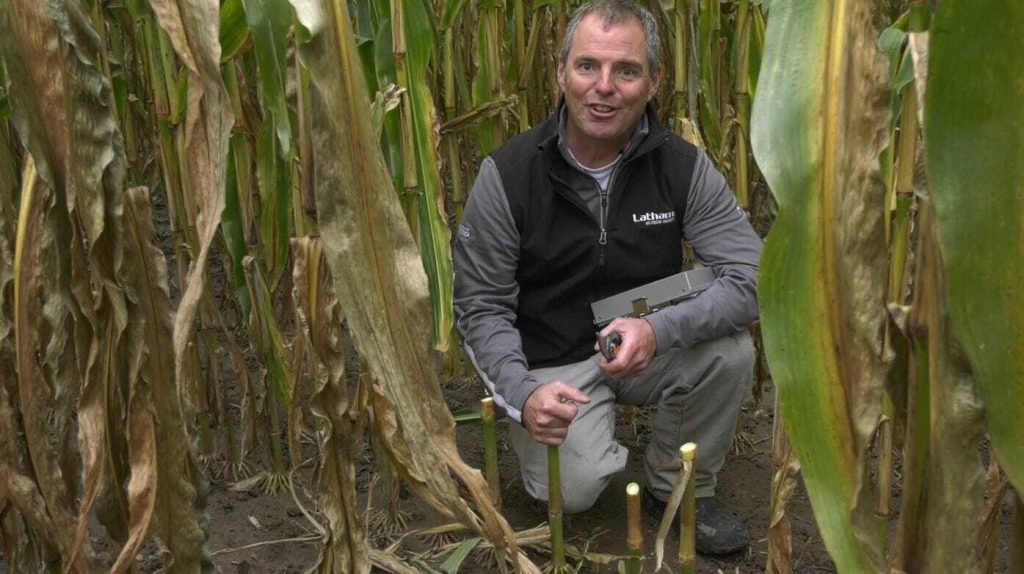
x,y
596,200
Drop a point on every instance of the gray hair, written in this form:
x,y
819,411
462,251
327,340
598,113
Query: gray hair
x,y
613,12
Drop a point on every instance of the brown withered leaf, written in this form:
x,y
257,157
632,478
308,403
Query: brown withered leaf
x,y
163,469
319,318
380,281
66,116
784,481
942,483
193,28
21,504
996,485
34,391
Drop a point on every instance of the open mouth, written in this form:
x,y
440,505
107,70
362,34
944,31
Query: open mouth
x,y
601,110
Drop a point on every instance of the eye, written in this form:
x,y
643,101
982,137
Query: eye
x,y
585,66
629,73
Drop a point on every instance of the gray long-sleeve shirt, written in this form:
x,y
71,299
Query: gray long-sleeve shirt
x,y
487,254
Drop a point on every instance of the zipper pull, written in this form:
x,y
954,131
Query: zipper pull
x,y
604,238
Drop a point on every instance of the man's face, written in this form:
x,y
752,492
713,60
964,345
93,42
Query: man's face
x,y
607,84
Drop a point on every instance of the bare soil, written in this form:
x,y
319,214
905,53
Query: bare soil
x,y
284,538
239,519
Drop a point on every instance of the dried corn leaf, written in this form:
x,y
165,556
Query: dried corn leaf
x,y
996,485
22,509
193,27
319,317
65,110
163,470
784,480
942,477
379,278
35,392
818,128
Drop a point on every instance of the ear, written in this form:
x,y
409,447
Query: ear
x,y
655,84
559,77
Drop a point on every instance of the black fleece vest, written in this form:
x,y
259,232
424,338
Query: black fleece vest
x,y
563,266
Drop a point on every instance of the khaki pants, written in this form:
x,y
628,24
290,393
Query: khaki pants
x,y
698,392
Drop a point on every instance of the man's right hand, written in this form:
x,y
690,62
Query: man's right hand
x,y
550,409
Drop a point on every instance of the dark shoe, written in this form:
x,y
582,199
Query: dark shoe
x,y
720,531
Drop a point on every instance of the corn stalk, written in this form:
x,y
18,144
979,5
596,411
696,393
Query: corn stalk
x,y
709,69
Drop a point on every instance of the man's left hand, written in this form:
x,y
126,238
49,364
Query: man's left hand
x,y
635,353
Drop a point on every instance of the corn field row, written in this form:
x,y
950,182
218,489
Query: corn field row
x,y
319,152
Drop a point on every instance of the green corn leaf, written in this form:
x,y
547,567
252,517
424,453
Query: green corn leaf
x,y
975,133
435,235
818,128
234,30
488,73
270,22
178,100
266,335
367,55
232,222
905,74
758,29
453,563
452,10
709,57
890,42
384,68
275,219
467,415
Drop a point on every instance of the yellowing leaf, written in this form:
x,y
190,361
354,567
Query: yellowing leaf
x,y
818,128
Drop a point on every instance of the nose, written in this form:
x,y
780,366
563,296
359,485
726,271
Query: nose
x,y
605,82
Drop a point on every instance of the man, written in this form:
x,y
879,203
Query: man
x,y
597,200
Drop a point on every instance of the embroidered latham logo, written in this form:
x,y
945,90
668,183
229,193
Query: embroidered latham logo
x,y
654,218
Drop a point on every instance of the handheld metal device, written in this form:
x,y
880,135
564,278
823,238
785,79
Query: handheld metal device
x,y
644,300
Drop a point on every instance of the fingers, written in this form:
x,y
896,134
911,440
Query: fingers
x,y
559,402
550,436
570,393
550,409
635,353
